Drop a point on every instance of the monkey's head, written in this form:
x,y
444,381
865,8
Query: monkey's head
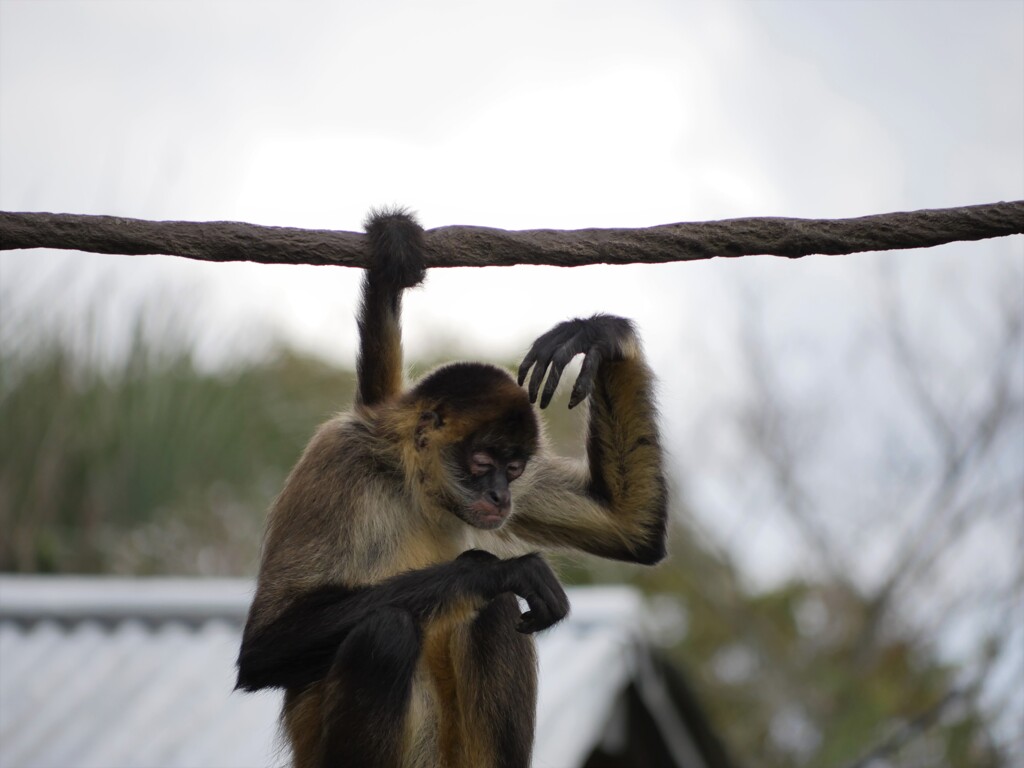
x,y
475,432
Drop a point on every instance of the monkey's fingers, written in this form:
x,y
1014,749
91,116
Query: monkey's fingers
x,y
535,620
544,360
536,378
545,345
524,367
585,381
558,363
527,624
553,351
547,606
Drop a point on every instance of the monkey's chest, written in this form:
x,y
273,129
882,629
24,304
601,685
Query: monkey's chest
x,y
395,545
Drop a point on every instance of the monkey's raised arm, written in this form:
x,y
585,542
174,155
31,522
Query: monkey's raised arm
x,y
616,505
396,240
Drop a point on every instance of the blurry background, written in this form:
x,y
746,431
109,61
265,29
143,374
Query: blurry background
x,y
846,433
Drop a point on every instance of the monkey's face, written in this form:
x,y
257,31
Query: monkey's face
x,y
484,428
486,478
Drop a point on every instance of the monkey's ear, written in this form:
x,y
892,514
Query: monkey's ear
x,y
429,421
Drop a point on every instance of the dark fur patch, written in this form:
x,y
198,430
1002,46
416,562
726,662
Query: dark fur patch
x,y
654,546
485,396
267,657
464,383
396,243
372,676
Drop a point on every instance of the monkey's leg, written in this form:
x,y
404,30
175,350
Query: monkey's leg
x,y
496,686
368,690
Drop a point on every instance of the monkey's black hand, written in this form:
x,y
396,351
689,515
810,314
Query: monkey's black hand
x,y
601,337
531,578
396,242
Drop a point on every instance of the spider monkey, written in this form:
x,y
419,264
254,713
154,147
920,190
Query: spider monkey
x,y
386,601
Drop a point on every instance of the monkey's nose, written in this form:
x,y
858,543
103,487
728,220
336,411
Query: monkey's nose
x,y
500,499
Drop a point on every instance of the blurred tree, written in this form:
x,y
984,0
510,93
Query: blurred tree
x,y
900,476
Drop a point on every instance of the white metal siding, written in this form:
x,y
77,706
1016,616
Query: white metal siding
x,y
139,674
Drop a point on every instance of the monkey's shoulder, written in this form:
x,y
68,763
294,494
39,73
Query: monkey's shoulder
x,y
349,446
344,465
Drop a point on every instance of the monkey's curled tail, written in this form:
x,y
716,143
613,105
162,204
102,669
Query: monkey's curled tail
x,y
396,242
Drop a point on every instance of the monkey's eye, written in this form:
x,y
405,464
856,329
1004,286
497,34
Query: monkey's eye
x,y
515,469
480,463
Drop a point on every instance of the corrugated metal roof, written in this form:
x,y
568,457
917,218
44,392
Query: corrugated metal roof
x,y
103,673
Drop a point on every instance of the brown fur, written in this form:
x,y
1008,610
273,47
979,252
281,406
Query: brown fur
x,y
363,505
374,496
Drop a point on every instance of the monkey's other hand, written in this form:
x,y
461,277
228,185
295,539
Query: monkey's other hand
x,y
396,241
599,338
532,579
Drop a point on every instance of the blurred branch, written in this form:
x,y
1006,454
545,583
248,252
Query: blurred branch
x,y
908,366
906,732
468,246
768,427
944,518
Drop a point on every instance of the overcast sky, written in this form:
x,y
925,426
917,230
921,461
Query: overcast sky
x,y
538,114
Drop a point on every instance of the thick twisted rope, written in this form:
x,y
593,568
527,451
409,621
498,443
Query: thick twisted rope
x,y
468,246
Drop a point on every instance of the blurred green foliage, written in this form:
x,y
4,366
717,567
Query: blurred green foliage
x,y
148,465
153,465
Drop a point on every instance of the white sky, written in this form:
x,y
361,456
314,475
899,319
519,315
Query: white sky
x,y
533,114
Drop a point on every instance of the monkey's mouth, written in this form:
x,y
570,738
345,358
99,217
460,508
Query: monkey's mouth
x,y
486,516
